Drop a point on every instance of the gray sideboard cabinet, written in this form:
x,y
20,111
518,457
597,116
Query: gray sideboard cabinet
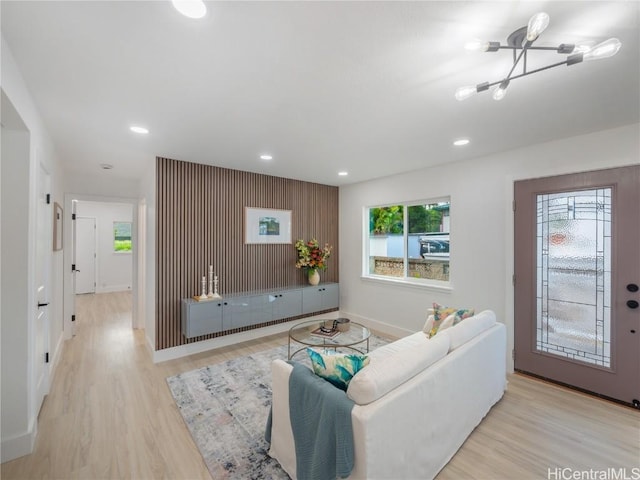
x,y
242,311
201,318
286,304
324,296
254,308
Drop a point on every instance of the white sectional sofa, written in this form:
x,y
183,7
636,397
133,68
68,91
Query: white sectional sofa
x,y
415,403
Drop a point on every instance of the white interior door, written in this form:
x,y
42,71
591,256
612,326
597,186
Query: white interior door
x,y
85,255
44,237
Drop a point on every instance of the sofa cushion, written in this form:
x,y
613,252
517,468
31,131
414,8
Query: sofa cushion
x,y
337,368
415,339
394,364
465,331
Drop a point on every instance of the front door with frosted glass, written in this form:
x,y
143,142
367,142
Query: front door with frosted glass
x,y
577,276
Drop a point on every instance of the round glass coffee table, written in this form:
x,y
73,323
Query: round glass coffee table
x,y
354,338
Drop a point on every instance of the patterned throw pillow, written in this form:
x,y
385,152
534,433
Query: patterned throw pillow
x,y
337,368
445,317
428,325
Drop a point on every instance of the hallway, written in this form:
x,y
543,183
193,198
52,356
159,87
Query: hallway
x,y
109,413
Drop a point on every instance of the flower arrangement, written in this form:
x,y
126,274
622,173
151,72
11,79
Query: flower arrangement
x,y
311,256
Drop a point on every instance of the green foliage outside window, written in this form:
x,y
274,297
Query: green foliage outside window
x,y
383,220
425,218
121,236
422,219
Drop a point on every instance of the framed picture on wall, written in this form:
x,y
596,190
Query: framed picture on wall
x,y
263,225
57,226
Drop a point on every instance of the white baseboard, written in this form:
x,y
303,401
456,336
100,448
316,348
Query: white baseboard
x,y
382,327
18,445
113,288
226,340
149,343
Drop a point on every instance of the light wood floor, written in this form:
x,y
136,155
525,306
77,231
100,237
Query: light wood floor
x,y
109,414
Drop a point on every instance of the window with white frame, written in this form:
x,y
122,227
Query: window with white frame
x,y
409,241
122,237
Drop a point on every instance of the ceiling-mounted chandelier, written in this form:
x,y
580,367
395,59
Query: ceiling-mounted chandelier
x,y
522,40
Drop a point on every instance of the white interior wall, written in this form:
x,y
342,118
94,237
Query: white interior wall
x,y
481,192
19,167
14,330
147,278
101,183
113,269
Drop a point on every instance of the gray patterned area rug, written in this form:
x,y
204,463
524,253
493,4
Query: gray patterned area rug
x,y
225,407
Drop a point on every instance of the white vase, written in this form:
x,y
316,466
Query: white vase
x,y
314,277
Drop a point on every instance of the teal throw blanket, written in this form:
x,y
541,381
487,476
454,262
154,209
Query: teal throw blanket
x,y
321,422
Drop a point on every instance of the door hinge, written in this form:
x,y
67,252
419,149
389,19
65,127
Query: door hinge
x,y
514,206
73,318
46,357
48,198
513,354
73,216
73,267
513,280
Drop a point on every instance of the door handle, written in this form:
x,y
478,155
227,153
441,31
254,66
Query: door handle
x,y
42,304
632,304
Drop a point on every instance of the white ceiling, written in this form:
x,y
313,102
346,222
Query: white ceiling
x,y
365,87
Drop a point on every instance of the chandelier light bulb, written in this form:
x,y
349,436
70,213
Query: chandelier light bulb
x,y
581,49
606,49
537,24
139,129
476,45
501,90
463,93
190,8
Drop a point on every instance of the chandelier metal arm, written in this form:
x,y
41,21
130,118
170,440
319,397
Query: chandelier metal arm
x,y
486,85
522,39
523,52
555,49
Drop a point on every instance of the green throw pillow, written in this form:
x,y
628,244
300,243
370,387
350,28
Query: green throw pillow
x,y
337,368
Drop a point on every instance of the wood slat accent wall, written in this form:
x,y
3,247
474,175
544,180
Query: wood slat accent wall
x,y
200,222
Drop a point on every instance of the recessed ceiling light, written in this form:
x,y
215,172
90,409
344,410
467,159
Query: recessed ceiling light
x,y
190,8
461,142
343,174
106,166
266,157
137,129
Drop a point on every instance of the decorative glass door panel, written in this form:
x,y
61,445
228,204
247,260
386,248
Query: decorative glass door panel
x,y
574,275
